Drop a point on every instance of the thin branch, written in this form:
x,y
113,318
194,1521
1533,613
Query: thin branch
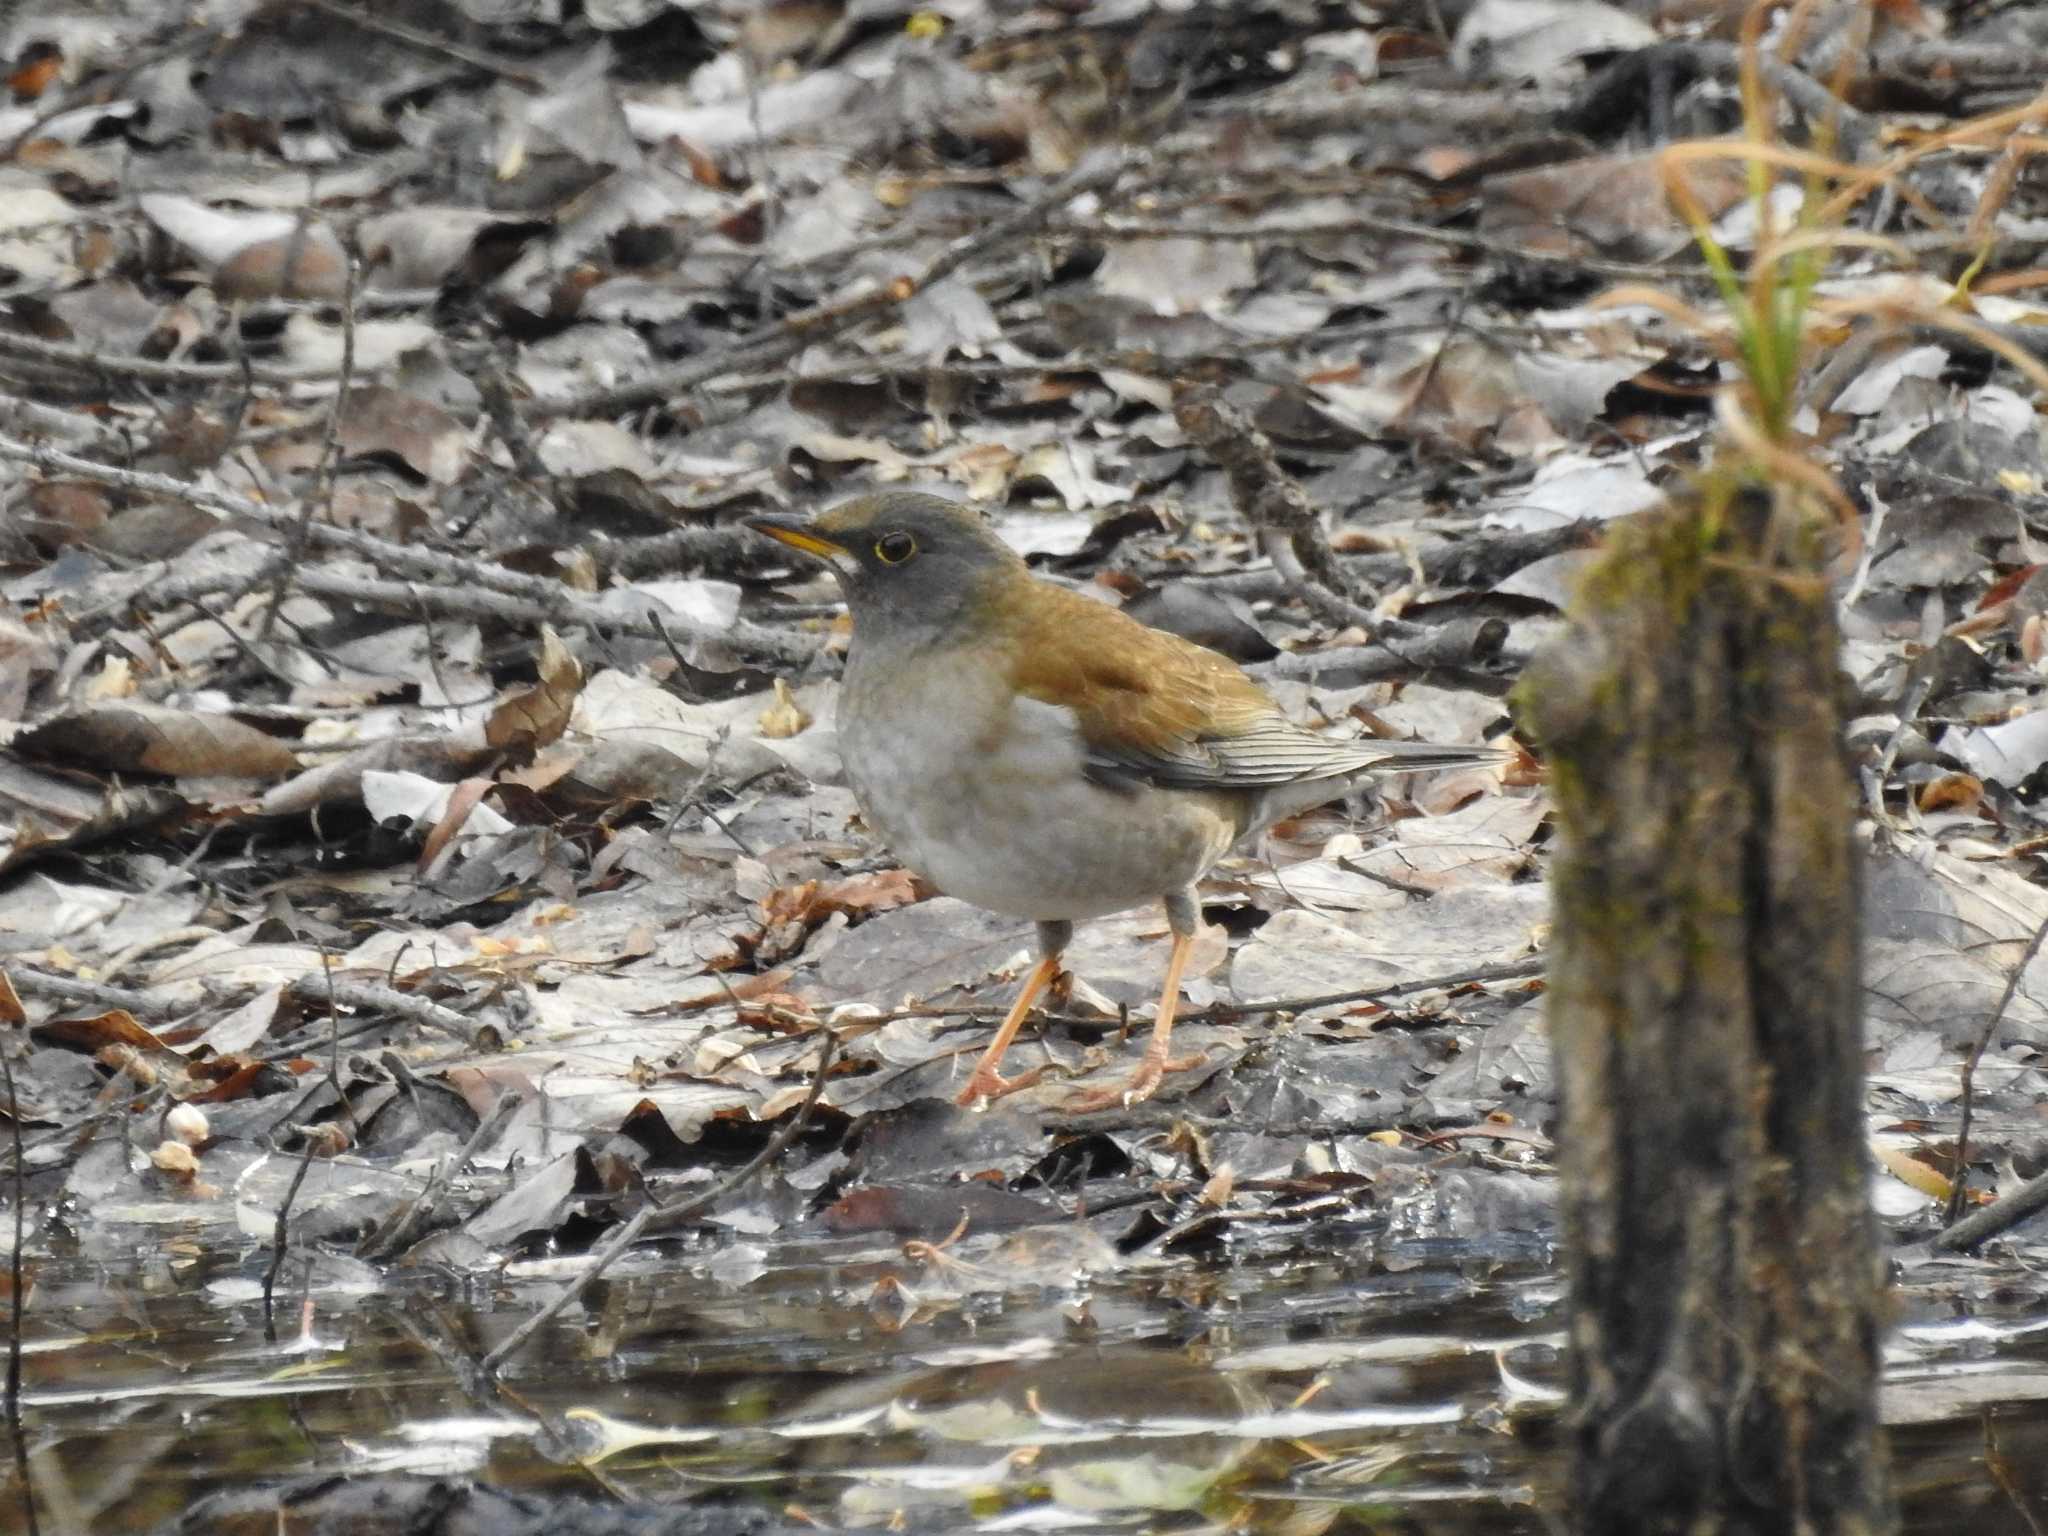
x,y
396,1229
624,1238
321,498
445,573
2001,1215
149,370
280,1233
1573,255
428,43
1977,1049
1287,524
18,1283
806,327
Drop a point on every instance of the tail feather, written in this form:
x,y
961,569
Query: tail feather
x,y
1378,757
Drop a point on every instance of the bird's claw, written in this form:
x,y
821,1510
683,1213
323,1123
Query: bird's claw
x,y
1142,1085
984,1087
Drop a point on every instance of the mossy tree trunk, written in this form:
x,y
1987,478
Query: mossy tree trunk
x,y
1704,1006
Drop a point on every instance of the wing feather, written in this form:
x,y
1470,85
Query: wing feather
x,y
1154,708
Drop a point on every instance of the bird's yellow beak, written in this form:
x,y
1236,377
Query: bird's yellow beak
x,y
787,530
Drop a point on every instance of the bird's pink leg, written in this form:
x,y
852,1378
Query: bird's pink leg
x,y
987,1083
1153,1069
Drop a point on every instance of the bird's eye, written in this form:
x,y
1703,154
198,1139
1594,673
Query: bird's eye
x,y
895,548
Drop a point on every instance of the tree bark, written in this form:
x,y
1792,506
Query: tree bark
x,y
1704,1005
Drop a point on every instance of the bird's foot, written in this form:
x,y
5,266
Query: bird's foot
x,y
985,1086
1142,1085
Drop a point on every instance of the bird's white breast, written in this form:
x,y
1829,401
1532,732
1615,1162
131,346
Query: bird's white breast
x,y
983,792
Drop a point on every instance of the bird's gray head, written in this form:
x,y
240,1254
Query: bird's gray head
x,y
911,565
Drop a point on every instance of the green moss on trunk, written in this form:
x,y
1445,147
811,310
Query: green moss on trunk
x,y
1704,1005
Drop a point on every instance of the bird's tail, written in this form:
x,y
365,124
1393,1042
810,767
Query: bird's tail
x,y
1376,757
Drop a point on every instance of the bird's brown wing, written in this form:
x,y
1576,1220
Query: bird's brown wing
x,y
1154,708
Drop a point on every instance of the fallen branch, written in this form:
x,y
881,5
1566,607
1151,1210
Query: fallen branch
x,y
2000,1216
13,1018
1471,651
806,327
279,1237
1286,522
148,370
449,579
373,997
392,1234
314,986
1479,560
1573,254
1648,72
627,1235
1976,1054
1223,1013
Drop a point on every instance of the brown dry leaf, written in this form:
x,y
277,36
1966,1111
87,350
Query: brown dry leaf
x,y
1908,1169
233,1077
538,716
1614,205
420,435
785,717
64,512
782,1012
857,896
132,736
11,1011
254,255
116,1027
462,799
1952,792
176,1159
1464,390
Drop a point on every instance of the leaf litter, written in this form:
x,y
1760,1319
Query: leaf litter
x,y
424,846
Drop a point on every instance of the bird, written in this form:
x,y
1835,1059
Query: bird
x,y
1044,755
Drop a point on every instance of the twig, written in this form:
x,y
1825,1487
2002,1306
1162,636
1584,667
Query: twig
x,y
1471,652
1223,1013
69,989
314,986
17,1283
280,1234
447,574
1977,1049
715,549
1276,506
149,370
427,42
2000,1467
794,332
1473,116
620,1241
1478,560
2014,156
557,605
320,499
375,997
1999,1216
428,1321
392,1233
1373,224
1616,89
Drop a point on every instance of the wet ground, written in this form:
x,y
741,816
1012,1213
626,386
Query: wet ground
x,y
1342,1377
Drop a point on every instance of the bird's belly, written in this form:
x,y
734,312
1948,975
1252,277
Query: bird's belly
x,y
1017,829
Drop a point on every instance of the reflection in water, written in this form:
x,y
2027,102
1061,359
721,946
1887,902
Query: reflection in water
x,y
1408,1387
